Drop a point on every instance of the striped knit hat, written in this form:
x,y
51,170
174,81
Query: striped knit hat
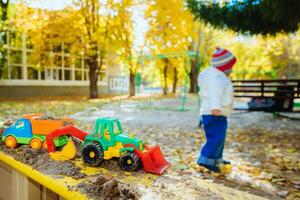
x,y
223,60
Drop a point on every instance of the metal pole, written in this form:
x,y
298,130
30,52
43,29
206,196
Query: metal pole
x,y
184,96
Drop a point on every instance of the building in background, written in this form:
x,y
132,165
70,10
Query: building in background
x,y
63,75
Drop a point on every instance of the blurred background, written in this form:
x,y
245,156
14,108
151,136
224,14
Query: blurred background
x,y
99,48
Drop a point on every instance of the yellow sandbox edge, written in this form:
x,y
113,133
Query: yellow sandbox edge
x,y
42,179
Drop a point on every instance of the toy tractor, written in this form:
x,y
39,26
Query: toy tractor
x,y
108,141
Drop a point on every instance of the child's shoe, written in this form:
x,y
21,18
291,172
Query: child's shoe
x,y
226,162
213,168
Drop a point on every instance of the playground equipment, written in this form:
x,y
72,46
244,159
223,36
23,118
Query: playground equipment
x,y
32,130
109,141
188,55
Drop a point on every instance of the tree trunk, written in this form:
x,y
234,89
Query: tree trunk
x,y
93,66
175,79
131,84
4,8
194,77
165,70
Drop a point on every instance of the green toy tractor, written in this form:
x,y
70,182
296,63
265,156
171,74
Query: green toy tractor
x,y
109,141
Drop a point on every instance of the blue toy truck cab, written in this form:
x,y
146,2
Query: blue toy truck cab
x,y
20,130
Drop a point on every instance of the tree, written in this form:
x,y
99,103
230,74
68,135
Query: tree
x,y
97,32
249,16
4,15
171,30
87,27
47,30
260,57
126,41
175,79
195,64
4,7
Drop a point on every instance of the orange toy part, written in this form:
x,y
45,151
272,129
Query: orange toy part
x,y
45,145
35,143
152,158
11,142
44,126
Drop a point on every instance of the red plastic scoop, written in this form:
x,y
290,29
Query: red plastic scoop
x,y
154,161
152,158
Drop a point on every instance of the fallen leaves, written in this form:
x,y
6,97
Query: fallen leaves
x,y
254,171
283,193
278,153
264,158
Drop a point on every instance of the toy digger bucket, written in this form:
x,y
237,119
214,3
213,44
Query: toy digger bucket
x,y
68,152
153,160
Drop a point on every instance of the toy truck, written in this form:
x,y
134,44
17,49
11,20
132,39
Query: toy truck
x,y
108,141
32,129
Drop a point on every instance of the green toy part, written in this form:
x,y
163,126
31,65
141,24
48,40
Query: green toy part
x,y
108,132
25,140
108,141
127,149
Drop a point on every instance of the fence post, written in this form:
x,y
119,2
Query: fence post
x,y
262,88
24,57
298,88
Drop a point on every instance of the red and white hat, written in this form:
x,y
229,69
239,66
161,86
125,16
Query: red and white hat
x,y
223,60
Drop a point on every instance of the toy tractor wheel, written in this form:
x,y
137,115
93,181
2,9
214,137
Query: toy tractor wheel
x,y
35,143
92,154
129,162
11,142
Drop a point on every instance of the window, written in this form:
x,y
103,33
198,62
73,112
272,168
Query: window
x,y
32,73
116,128
99,129
16,72
68,75
20,124
78,75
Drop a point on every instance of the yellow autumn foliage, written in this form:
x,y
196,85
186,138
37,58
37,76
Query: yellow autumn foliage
x,y
171,28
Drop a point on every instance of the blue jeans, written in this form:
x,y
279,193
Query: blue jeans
x,y
215,132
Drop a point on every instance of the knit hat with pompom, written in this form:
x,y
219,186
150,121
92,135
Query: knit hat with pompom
x,y
223,60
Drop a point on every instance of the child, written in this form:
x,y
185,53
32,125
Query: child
x,y
216,94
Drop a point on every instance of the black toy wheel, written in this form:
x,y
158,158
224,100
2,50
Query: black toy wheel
x,y
129,162
92,154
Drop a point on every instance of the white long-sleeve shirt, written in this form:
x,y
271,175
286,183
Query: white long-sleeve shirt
x,y
216,92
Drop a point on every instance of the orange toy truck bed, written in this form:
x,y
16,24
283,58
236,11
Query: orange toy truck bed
x,y
43,125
